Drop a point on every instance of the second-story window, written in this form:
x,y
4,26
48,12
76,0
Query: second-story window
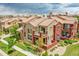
x,y
43,30
66,26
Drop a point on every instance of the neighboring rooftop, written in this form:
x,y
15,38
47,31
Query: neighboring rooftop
x,y
68,18
65,19
26,20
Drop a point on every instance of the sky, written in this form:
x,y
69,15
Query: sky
x,y
37,8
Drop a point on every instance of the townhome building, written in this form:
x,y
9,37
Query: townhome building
x,y
6,23
39,31
69,26
45,32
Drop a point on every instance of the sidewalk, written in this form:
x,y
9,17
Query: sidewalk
x,y
23,51
3,53
4,36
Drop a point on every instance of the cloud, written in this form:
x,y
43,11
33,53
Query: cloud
x,y
28,8
6,10
73,5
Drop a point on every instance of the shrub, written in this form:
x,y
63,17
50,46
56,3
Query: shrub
x,y
10,51
69,41
45,54
62,43
56,54
51,55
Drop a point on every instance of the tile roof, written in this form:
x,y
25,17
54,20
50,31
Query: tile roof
x,y
36,21
68,18
7,25
12,19
65,19
47,22
5,20
26,20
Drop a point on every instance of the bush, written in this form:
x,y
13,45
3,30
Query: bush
x,y
51,55
45,54
56,54
10,51
62,43
77,35
69,41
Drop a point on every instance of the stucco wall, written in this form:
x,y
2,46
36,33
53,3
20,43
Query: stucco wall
x,y
74,29
58,30
50,33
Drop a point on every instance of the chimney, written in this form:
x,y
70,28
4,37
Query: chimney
x,y
50,15
66,13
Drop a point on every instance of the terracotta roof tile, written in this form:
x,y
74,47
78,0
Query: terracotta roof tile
x,y
47,22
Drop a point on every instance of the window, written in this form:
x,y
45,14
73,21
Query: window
x,y
9,23
30,37
43,29
66,26
45,40
20,24
28,31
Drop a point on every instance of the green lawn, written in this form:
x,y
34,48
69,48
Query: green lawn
x,y
1,32
72,50
9,38
25,46
3,47
28,47
13,53
17,53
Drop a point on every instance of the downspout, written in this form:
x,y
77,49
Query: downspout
x,y
33,40
54,33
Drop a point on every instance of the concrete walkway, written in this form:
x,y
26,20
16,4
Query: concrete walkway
x,y
23,51
17,48
3,53
4,36
60,50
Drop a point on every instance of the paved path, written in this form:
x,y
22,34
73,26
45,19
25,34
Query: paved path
x,y
58,50
2,53
17,48
23,51
4,36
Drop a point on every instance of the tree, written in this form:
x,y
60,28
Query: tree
x,y
14,32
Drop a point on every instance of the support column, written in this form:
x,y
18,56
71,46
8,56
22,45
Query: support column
x,y
40,40
46,38
33,39
54,30
71,28
22,35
